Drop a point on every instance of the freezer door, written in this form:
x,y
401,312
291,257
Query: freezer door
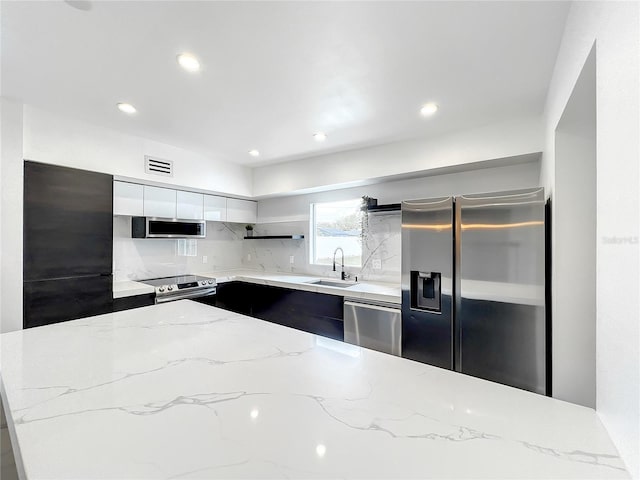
x,y
53,301
500,288
68,222
427,271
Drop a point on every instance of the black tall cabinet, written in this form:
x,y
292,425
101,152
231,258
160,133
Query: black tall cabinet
x,y
68,243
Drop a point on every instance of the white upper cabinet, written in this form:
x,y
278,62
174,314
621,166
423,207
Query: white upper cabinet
x,y
189,205
128,199
137,200
215,208
241,211
159,202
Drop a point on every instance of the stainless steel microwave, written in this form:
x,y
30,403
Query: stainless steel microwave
x,y
153,227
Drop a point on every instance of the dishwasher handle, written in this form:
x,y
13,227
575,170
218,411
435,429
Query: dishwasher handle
x,y
385,306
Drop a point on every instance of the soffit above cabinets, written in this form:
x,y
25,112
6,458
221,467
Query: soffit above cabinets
x,y
275,73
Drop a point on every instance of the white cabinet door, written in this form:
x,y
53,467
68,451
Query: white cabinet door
x,y
241,211
215,208
189,205
128,199
159,202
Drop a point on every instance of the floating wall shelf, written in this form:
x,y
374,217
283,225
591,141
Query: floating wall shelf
x,y
391,207
281,237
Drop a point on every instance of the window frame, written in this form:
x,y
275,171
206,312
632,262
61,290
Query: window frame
x,y
313,230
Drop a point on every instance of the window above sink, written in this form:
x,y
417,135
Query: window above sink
x,y
333,225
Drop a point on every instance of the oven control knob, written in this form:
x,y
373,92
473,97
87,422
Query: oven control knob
x,y
210,282
169,288
161,289
203,283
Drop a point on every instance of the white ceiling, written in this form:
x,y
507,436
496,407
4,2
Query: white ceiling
x,y
275,73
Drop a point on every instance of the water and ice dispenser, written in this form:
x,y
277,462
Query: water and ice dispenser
x,y
426,291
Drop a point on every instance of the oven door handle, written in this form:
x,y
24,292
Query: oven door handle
x,y
184,295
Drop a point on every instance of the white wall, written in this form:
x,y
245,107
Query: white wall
x,y
574,236
513,138
11,216
51,138
615,29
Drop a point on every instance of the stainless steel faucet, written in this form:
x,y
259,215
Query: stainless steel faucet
x,y
343,275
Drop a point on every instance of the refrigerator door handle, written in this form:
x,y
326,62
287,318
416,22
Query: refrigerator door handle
x,y
456,333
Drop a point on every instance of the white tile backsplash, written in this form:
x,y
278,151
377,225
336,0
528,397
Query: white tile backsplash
x,y
224,247
141,258
380,242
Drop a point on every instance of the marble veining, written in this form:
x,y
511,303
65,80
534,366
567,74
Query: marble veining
x,y
142,258
225,249
184,390
380,241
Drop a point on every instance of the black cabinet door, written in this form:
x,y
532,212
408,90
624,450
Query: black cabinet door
x,y
308,311
136,301
68,222
234,296
53,301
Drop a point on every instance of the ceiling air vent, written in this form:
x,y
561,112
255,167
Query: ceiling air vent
x,y
157,166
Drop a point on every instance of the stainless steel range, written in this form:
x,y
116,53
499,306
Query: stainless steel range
x,y
181,287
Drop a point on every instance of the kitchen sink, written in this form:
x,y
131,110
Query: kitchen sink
x,y
330,283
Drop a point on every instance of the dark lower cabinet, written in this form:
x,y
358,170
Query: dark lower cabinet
x,y
311,312
53,301
136,301
234,296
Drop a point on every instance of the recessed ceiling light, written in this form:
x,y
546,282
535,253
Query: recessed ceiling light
x,y
189,62
127,108
428,109
254,153
320,136
84,5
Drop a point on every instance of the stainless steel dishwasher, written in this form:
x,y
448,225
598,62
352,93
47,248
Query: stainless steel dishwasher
x,y
374,325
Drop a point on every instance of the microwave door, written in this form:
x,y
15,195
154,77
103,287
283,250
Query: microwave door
x,y
148,227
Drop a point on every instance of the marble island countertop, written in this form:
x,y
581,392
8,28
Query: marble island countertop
x,y
382,292
185,390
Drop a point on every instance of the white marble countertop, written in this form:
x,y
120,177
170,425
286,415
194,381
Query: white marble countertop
x,y
381,292
185,390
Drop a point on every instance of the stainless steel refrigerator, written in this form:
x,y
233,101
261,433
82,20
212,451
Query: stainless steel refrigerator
x,y
473,286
